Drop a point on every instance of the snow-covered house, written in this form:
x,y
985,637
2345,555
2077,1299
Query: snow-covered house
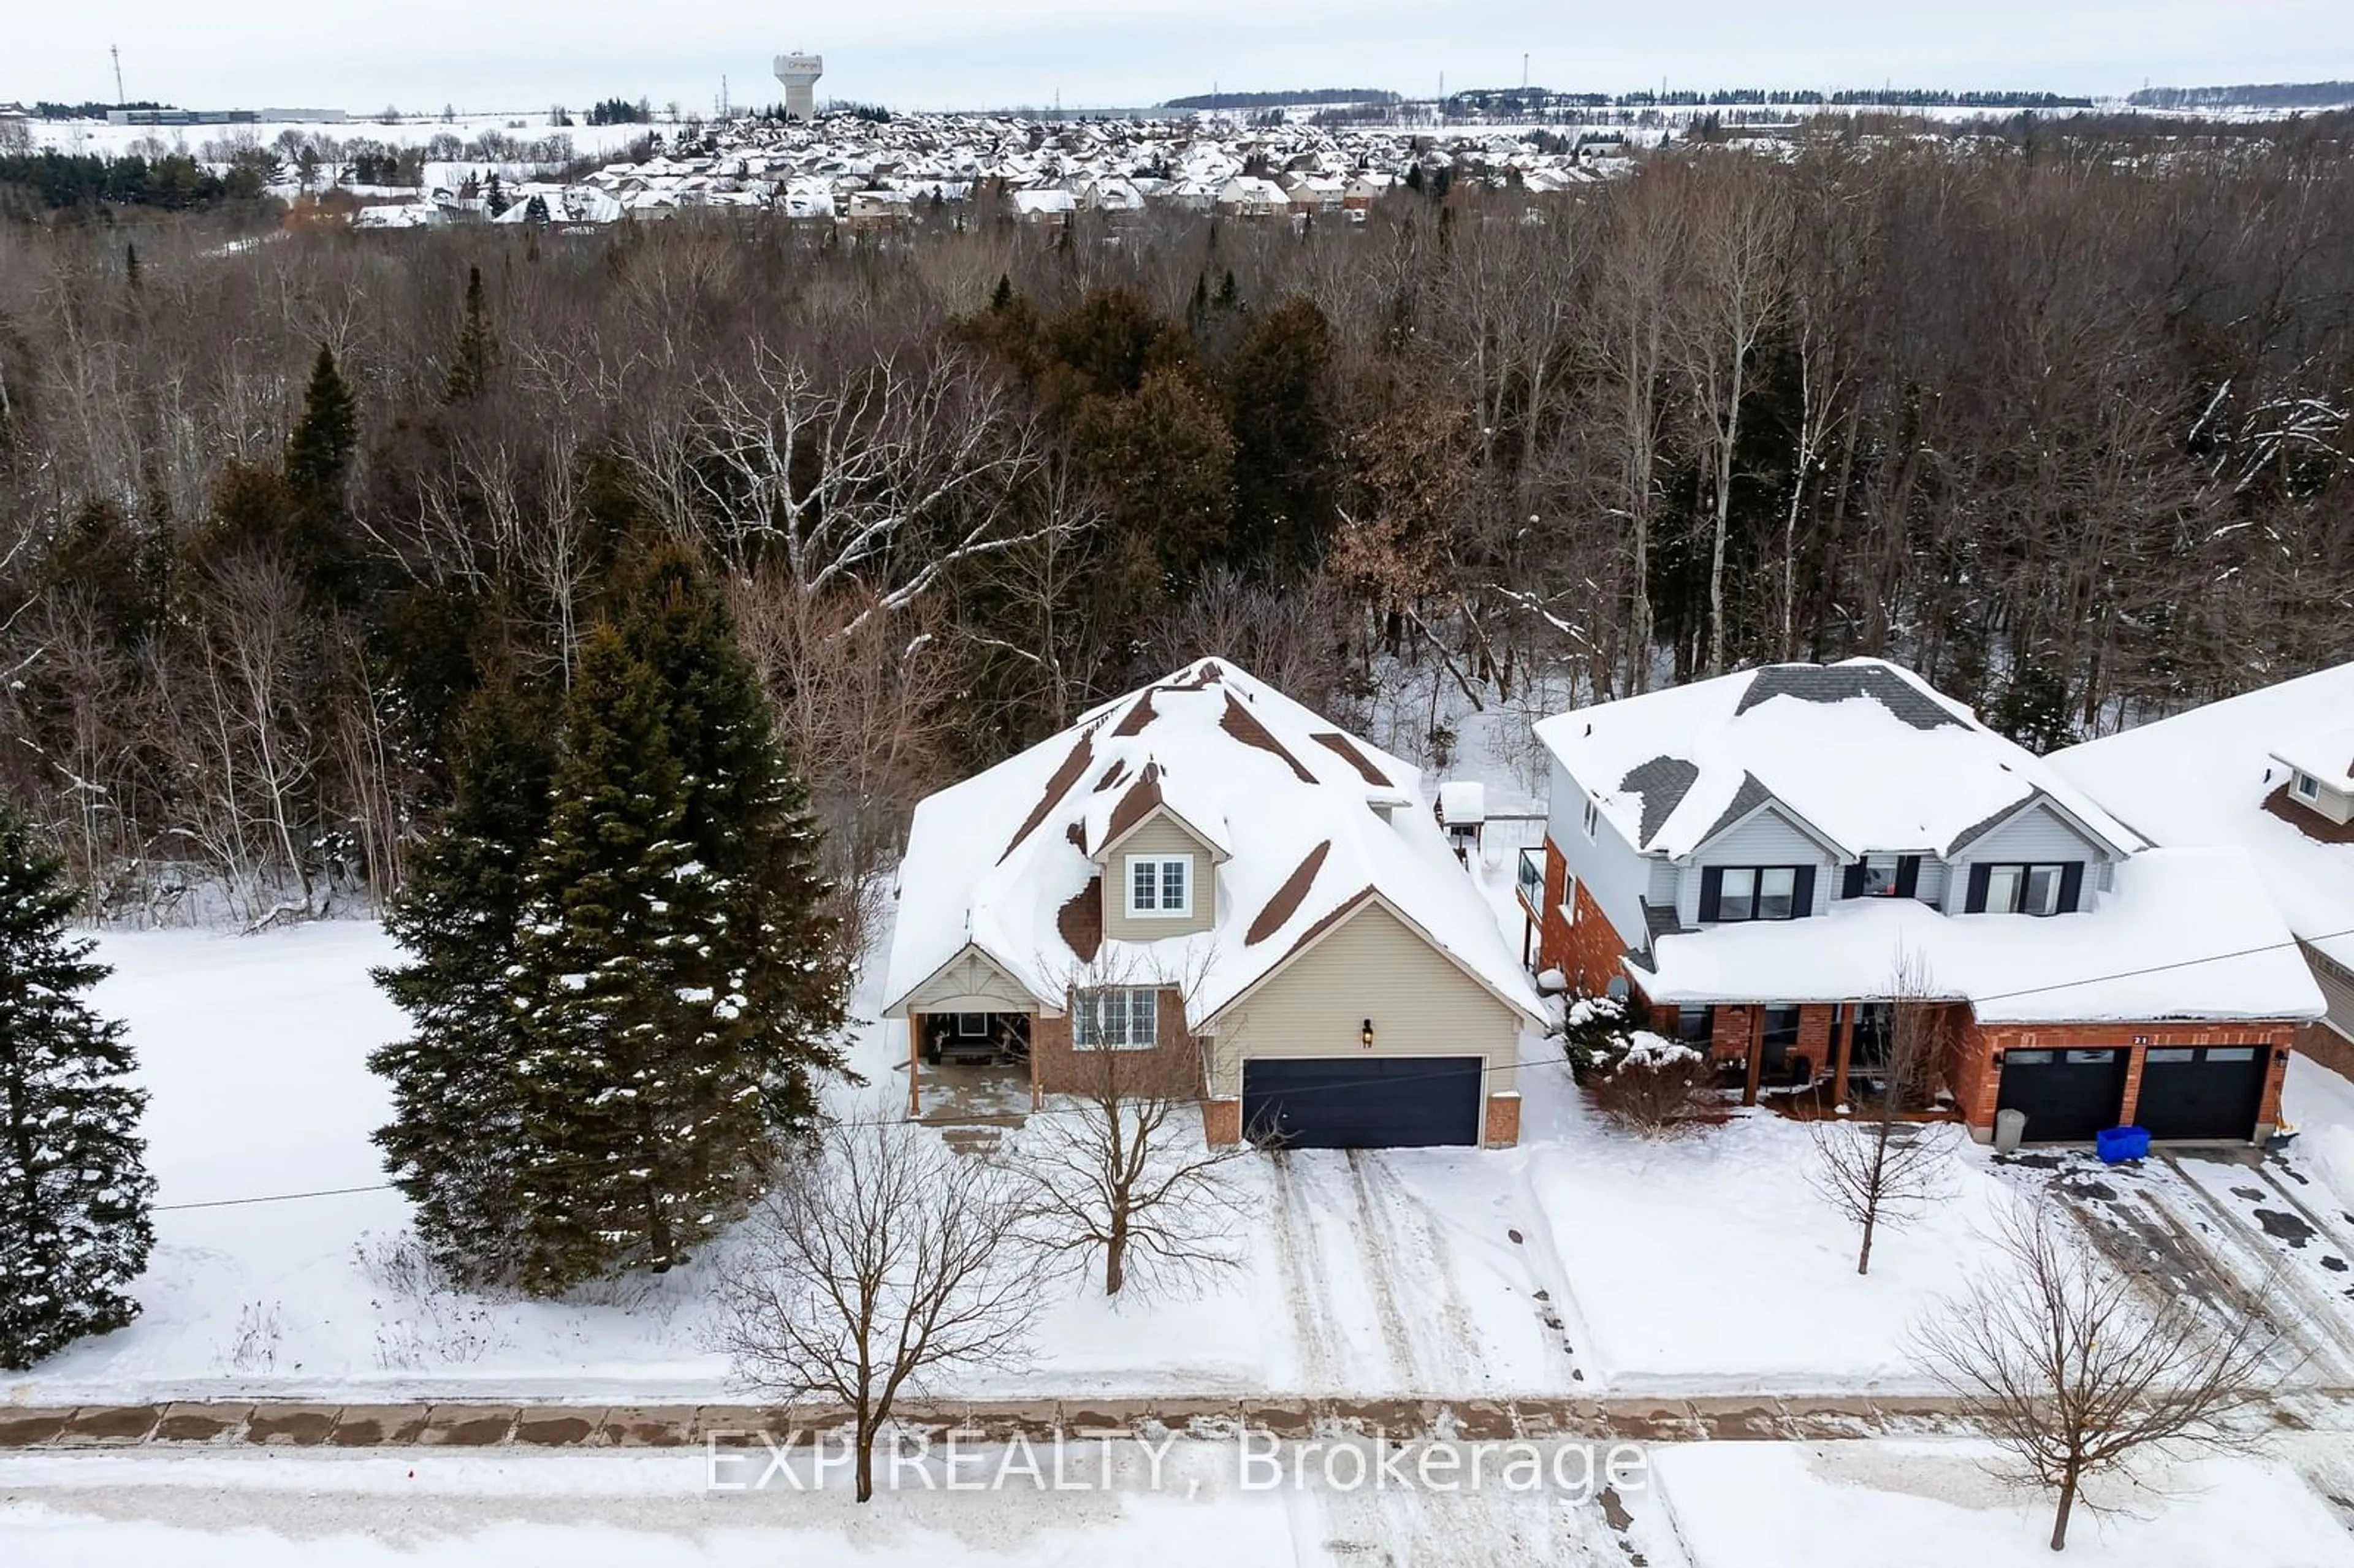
x,y
1757,859
1206,869
2270,772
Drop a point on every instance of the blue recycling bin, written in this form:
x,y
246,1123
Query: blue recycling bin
x,y
2119,1144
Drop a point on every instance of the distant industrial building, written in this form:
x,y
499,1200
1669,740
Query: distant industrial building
x,y
800,74
225,117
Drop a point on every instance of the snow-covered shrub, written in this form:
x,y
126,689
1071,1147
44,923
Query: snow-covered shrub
x,y
1595,1036
1657,1088
429,1320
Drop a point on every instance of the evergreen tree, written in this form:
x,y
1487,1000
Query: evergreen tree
x,y
470,363
130,267
610,1033
494,197
534,211
747,821
74,1189
454,1138
1285,451
319,452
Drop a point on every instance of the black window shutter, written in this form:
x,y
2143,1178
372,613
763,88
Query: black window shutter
x,y
1712,888
1802,893
1908,877
1851,882
2072,886
1975,904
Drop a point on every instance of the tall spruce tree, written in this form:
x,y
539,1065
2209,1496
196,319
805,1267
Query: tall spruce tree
x,y
74,1188
471,361
455,1138
748,820
615,1027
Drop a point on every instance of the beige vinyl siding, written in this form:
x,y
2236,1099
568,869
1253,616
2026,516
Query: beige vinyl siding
x,y
971,982
2337,983
1158,836
1373,965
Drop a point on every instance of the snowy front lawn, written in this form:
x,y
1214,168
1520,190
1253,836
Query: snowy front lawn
x,y
1584,1261
1710,1262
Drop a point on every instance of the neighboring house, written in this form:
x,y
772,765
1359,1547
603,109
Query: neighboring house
x,y
2271,772
1204,868
1756,857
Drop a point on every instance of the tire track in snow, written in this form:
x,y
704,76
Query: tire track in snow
x,y
1298,1253
1391,1209
1381,1262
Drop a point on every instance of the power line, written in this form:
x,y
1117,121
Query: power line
x,y
1486,1069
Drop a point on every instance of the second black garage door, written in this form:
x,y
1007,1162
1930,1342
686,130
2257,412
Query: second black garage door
x,y
1355,1102
2211,1091
2068,1096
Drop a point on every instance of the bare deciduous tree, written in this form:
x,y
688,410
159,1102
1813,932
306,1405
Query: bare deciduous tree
x,y
880,1260
1877,1168
1122,1170
2073,1367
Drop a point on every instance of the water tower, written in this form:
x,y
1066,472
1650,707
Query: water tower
x,y
800,74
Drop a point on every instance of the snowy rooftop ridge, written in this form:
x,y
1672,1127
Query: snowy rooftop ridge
x,y
1870,756
1304,822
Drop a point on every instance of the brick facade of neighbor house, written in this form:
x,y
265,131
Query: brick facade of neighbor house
x,y
1174,1066
1587,949
1975,1083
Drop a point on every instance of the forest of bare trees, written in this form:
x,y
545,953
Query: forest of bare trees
x,y
2064,424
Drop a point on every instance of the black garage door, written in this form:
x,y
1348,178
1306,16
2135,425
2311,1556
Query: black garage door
x,y
2211,1091
1355,1102
2068,1096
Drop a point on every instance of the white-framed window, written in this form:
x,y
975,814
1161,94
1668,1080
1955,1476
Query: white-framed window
x,y
972,1025
2024,889
1880,873
1160,884
1116,1018
2308,788
1593,818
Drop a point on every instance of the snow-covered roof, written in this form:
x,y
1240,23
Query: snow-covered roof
x,y
1865,753
2184,934
2213,776
1310,822
1462,802
2327,755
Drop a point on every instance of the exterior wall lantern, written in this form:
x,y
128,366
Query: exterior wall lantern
x,y
1365,1036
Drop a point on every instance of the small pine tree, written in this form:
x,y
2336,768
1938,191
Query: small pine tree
x,y
74,1188
453,1141
130,267
534,211
470,362
319,452
494,197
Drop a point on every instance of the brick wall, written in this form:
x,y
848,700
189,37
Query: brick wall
x,y
1730,1032
1174,1066
1586,949
1502,1126
1975,1082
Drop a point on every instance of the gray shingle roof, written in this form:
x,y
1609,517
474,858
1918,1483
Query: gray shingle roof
x,y
1839,683
1662,783
1746,799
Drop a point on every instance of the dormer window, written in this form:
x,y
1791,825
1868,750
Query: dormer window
x,y
2025,889
2308,788
1882,877
1733,893
1159,886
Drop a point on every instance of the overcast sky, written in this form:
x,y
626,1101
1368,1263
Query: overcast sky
x,y
919,54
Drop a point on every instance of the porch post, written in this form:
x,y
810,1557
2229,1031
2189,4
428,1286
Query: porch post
x,y
1846,1045
1757,1055
915,1065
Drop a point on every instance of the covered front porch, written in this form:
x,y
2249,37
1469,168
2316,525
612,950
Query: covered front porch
x,y
1790,1052
974,1037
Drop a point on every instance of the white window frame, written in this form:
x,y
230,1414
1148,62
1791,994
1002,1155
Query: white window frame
x,y
2018,878
979,1023
1896,865
1593,821
1160,908
1089,1016
2308,788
